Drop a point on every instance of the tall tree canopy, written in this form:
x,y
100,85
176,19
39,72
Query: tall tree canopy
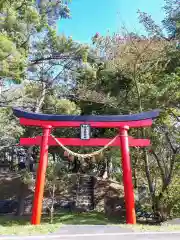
x,y
21,21
122,73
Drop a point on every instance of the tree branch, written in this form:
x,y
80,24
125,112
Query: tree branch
x,y
159,165
170,143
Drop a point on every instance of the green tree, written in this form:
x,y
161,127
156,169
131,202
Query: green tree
x,y
56,178
151,66
21,22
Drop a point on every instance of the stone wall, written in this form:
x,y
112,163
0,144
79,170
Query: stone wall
x,y
83,191
109,198
87,192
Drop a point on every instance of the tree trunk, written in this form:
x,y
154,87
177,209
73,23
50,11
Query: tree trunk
x,y
51,214
52,206
160,212
135,174
21,199
12,160
54,157
102,169
40,101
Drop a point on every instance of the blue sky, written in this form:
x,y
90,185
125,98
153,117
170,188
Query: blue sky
x,y
91,16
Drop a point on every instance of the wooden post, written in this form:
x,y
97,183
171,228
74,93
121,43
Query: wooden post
x,y
127,177
40,178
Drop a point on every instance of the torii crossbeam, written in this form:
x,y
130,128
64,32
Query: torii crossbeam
x,y
49,121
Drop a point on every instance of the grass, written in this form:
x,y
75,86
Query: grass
x,y
21,226
152,228
11,225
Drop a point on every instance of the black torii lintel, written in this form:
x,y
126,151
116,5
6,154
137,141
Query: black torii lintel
x,y
86,118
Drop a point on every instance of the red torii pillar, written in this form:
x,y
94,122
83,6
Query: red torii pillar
x,y
127,177
41,177
47,122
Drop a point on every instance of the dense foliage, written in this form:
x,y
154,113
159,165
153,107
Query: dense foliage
x,y
122,73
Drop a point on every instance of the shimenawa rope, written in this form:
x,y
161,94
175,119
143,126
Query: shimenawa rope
x,y
87,155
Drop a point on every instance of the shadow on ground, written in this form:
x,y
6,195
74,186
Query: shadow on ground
x,y
11,220
88,218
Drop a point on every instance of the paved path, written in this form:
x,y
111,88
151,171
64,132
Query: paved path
x,y
92,229
103,236
100,232
109,232
124,236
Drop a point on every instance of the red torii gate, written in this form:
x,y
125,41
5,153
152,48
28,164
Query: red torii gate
x,y
49,121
